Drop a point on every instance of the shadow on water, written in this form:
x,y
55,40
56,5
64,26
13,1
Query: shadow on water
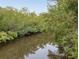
x,y
38,46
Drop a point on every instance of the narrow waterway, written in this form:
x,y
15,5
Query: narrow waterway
x,y
39,46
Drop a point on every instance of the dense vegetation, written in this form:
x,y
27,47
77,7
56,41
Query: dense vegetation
x,y
61,21
15,23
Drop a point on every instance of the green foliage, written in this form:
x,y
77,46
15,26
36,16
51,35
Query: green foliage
x,y
18,23
63,25
3,37
61,21
7,36
13,34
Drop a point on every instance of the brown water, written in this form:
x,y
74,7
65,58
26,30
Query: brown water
x,y
37,46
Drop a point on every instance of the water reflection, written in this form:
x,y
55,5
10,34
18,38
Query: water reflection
x,y
42,53
31,47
